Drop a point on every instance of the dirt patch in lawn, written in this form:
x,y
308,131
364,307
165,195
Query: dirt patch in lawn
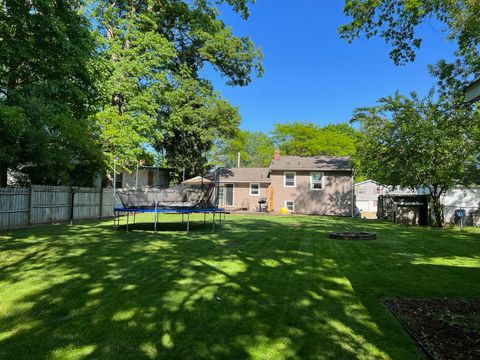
x,y
446,329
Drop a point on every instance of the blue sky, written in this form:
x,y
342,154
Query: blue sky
x,y
313,75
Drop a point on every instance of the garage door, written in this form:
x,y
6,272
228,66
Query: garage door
x,y
362,205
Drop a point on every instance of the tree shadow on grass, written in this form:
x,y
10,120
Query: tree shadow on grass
x,y
286,290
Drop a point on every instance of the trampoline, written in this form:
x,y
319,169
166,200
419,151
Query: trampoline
x,y
189,197
119,211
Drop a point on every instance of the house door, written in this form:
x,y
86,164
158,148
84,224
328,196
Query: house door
x,y
226,195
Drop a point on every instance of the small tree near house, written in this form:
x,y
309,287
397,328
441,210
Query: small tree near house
x,y
412,142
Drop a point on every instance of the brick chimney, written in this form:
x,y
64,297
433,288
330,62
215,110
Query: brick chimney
x,y
276,154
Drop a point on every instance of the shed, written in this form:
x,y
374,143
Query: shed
x,y
405,209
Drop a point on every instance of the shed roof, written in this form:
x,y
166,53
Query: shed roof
x,y
312,163
245,175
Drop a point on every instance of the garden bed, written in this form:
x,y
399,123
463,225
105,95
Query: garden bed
x,y
445,329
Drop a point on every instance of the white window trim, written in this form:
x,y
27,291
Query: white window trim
x,y
251,189
294,179
323,180
293,205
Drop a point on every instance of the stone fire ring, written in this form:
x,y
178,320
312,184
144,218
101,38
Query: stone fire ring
x,y
353,235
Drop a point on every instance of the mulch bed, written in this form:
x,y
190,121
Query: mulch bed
x,y
445,329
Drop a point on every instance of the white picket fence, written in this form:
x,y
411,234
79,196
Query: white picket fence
x,y
39,204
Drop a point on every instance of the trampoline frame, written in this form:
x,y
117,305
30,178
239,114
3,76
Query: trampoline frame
x,y
119,211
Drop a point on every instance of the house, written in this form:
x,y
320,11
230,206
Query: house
x,y
320,185
460,198
242,188
147,176
367,193
472,92
312,185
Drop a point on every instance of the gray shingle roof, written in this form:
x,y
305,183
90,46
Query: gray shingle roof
x,y
312,163
245,175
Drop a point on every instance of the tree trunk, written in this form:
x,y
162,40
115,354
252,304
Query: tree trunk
x,y
3,175
438,210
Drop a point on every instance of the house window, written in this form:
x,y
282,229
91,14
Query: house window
x,y
289,179
290,205
316,181
360,191
118,181
255,189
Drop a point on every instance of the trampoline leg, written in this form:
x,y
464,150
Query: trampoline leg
x,y
188,222
182,218
155,223
204,218
128,214
213,222
134,218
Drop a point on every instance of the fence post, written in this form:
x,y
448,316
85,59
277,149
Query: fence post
x,y
30,205
101,203
72,199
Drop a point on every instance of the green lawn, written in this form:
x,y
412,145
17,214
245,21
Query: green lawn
x,y
285,292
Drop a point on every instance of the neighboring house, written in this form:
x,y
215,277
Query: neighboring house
x,y
148,176
312,185
472,92
460,197
367,193
242,188
464,198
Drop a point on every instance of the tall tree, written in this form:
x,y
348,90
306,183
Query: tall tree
x,y
153,55
412,142
397,20
46,91
255,147
192,118
308,139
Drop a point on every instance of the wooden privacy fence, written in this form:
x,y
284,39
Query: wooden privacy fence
x,y
39,204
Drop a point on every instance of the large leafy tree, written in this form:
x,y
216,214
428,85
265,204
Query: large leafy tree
x,y
193,117
46,91
412,142
397,21
134,59
154,94
255,147
308,139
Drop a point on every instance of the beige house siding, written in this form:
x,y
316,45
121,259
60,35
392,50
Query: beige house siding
x,y
241,195
334,199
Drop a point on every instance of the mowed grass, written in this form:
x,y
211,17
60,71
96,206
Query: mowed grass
x,y
267,287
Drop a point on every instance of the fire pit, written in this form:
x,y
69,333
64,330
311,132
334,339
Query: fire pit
x,y
353,235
